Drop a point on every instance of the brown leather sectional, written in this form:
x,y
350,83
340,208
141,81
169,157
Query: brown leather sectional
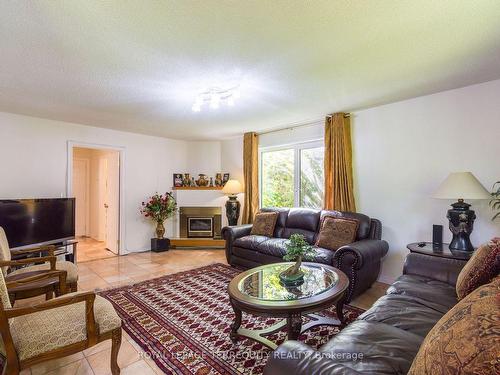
x,y
389,334
359,260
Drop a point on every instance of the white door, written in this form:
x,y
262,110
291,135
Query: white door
x,y
112,201
81,193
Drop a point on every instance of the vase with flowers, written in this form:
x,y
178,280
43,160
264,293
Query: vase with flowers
x,y
159,208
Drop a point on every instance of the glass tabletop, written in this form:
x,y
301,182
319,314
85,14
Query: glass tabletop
x,y
265,284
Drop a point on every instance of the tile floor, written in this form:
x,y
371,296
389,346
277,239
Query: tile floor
x,y
90,249
116,271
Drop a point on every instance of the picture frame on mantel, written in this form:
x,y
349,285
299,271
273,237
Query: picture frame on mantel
x,y
225,178
177,180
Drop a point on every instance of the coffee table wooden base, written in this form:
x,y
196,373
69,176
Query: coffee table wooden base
x,y
293,324
323,286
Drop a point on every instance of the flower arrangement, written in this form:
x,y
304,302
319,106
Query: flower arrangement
x,y
297,249
159,208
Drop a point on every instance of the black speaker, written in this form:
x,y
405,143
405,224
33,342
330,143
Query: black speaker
x,y
437,234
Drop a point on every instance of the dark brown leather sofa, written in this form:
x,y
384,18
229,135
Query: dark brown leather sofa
x,y
389,334
359,260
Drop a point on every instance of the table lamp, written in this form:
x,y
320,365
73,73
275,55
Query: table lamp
x,y
461,185
231,188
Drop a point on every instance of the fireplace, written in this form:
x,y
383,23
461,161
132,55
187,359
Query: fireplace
x,y
200,222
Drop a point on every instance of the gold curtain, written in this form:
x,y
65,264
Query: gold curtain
x,y
339,187
251,176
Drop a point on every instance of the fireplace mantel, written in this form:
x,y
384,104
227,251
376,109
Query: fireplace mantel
x,y
197,188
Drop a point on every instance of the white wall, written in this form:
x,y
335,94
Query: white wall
x,y
210,158
403,151
33,163
204,157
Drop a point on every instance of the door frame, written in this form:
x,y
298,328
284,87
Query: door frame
x,y
122,192
87,192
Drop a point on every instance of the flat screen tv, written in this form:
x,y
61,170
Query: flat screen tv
x,y
37,221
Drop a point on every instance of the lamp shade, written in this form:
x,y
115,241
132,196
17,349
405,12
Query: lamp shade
x,y
461,185
232,187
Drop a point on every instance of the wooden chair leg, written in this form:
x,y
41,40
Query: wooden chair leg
x,y
11,369
49,295
116,341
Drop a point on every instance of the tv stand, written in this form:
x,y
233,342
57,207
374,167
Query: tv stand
x,y
62,248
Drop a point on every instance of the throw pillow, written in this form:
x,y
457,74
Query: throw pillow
x,y
483,266
466,339
336,232
264,223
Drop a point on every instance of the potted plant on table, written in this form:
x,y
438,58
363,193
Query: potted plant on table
x,y
159,208
297,249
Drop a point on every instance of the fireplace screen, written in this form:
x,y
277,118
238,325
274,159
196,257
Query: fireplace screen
x,y
200,227
200,222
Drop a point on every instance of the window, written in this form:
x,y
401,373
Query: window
x,y
292,176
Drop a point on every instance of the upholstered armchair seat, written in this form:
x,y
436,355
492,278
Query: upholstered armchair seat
x,y
53,329
70,268
48,330
34,264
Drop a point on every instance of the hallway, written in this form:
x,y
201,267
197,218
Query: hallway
x,y
90,249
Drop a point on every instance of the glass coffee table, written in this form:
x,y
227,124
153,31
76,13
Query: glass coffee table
x,y
259,291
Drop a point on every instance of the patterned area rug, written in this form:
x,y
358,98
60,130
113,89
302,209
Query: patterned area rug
x,y
182,322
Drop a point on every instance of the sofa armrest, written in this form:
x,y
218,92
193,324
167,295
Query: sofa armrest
x,y
296,358
230,234
360,252
441,269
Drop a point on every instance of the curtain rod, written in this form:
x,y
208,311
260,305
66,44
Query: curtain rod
x,y
346,115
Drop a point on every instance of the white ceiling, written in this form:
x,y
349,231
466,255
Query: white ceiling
x,y
138,65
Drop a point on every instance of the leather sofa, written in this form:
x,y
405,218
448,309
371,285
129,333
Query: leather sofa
x,y
389,334
360,260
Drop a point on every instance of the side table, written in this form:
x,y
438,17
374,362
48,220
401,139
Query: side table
x,y
439,250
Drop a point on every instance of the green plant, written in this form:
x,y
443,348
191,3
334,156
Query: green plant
x,y
495,202
298,248
159,207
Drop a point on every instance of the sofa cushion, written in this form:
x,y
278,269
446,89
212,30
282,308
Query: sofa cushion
x,y
466,339
273,246
481,268
303,218
304,221
363,220
336,232
250,242
427,289
263,224
256,258
386,349
404,312
281,222
276,247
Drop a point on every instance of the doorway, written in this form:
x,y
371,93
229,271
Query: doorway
x,y
95,183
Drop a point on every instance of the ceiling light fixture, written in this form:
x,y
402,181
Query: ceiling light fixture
x,y
214,96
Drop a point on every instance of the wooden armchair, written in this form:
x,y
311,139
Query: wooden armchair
x,y
52,329
31,284
39,265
